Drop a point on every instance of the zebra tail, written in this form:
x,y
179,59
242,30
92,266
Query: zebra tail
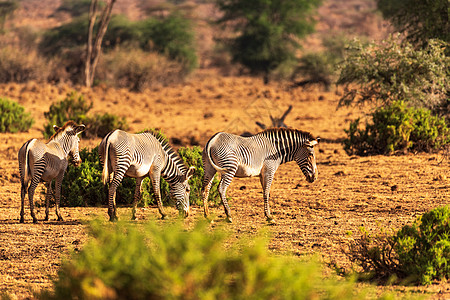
x,y
105,173
26,175
211,161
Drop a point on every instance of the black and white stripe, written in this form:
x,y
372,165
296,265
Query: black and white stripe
x,y
45,162
138,156
258,155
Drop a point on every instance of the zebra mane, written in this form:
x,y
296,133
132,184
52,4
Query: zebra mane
x,y
62,129
271,131
173,155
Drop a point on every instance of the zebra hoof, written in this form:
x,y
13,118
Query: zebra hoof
x,y
60,219
35,221
271,221
163,217
229,220
22,220
45,219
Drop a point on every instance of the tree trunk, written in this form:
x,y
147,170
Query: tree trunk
x,y
93,51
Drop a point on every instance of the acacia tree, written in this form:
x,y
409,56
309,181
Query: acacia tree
x,y
94,49
268,31
421,20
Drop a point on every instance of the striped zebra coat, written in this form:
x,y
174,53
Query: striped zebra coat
x,y
259,155
44,162
138,156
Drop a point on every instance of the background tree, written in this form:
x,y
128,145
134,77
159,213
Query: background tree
x,y
268,31
6,9
94,49
419,19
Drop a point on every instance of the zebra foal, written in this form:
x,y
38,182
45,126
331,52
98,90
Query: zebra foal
x,y
258,155
40,162
138,156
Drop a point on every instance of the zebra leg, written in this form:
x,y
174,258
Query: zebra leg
x,y
137,196
207,183
58,185
23,192
114,183
225,181
266,179
48,195
31,189
155,177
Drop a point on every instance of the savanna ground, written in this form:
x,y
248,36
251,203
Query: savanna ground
x,y
311,219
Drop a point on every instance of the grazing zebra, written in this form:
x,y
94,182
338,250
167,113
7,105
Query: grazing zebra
x,y
258,155
45,162
138,156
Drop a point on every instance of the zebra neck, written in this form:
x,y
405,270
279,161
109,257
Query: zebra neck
x,y
286,144
173,168
62,143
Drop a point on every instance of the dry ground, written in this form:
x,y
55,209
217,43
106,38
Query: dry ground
x,y
311,218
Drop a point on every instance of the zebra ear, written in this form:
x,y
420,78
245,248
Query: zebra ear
x,y
312,143
80,128
190,172
55,128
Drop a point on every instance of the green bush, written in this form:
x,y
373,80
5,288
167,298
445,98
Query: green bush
x,y
77,8
193,157
397,127
75,107
83,186
13,117
121,261
416,253
171,36
389,71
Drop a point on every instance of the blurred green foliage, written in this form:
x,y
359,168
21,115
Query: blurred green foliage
x,y
74,107
397,127
417,253
122,261
267,32
13,117
381,73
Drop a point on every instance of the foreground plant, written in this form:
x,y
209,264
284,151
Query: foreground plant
x,y
419,253
121,261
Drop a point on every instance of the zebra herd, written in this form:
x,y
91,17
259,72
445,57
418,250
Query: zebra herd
x,y
149,155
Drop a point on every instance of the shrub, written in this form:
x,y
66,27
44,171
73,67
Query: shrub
x,y
13,117
101,124
418,253
193,157
18,65
397,127
138,70
121,261
75,107
83,186
391,71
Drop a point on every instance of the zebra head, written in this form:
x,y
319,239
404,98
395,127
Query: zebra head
x,y
181,190
306,159
70,141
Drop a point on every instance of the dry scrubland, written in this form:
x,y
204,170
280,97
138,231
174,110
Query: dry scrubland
x,y
374,192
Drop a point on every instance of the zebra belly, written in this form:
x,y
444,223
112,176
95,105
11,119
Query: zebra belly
x,y
138,171
247,171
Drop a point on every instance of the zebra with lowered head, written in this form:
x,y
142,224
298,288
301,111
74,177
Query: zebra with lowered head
x,y
45,162
138,156
258,155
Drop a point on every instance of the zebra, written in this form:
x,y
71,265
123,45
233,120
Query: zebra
x,y
258,155
138,156
40,162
